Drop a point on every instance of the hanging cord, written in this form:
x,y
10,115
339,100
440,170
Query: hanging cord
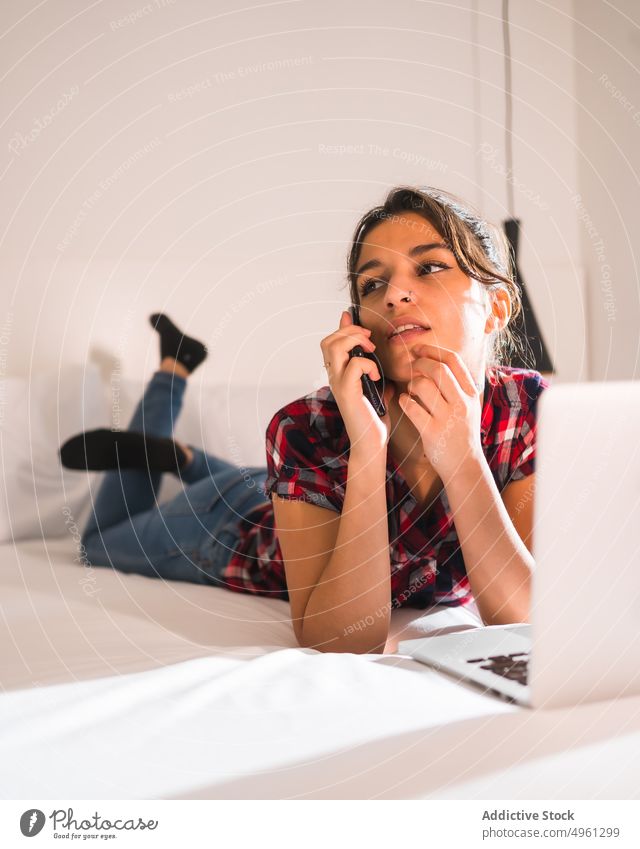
x,y
508,107
527,328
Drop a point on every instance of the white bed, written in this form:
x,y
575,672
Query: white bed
x,y
130,687
120,686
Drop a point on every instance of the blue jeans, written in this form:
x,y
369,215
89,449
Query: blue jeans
x,y
191,537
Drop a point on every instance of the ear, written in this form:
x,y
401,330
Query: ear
x,y
499,310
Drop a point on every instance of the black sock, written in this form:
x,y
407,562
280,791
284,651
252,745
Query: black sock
x,y
186,350
102,449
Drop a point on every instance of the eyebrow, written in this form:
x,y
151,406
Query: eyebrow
x,y
418,249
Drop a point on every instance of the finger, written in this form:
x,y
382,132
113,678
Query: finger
x,y
414,411
353,340
347,325
362,365
427,394
347,334
338,350
347,339
346,321
441,376
453,360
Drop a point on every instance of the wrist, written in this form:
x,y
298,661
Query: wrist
x,y
467,472
364,457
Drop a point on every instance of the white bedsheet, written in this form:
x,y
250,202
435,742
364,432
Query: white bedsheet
x,y
119,686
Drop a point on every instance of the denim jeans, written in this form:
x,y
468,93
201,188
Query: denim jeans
x,y
191,537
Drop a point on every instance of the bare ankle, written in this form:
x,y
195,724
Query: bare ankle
x,y
188,452
172,366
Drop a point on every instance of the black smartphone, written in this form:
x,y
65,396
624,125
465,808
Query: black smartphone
x,y
371,389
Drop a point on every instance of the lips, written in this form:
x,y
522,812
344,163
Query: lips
x,y
407,335
404,320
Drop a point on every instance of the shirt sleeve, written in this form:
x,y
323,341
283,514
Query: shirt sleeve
x,y
523,452
300,465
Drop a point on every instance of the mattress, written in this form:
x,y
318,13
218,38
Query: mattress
x,y
119,686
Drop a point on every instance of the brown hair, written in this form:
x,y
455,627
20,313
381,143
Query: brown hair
x,y
481,251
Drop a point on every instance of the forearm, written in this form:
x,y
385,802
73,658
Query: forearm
x,y
498,564
349,610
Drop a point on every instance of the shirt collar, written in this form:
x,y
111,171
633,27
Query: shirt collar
x,y
487,410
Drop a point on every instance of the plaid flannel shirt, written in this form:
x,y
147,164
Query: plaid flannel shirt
x,y
307,457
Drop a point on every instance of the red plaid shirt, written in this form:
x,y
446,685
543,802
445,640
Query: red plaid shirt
x,y
307,457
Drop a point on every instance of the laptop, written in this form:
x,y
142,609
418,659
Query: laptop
x,y
583,640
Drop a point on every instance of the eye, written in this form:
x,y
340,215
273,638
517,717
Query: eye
x,y
423,269
365,290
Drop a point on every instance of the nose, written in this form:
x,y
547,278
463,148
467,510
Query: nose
x,y
397,293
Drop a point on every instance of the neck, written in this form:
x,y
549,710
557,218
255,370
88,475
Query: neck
x,y
405,443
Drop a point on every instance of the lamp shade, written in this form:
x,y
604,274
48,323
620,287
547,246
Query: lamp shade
x,y
526,325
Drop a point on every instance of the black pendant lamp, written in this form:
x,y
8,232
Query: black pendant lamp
x,y
525,326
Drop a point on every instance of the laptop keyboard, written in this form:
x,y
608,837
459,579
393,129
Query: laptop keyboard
x,y
506,665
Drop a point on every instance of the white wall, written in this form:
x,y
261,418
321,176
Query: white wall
x,y
212,162
607,38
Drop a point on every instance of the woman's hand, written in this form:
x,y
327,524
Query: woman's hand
x,y
445,409
366,430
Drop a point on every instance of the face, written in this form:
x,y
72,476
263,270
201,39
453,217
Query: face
x,y
407,254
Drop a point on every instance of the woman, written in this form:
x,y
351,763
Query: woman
x,y
430,504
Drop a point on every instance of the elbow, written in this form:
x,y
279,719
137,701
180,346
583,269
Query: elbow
x,y
502,620
351,644
333,648
511,616
507,609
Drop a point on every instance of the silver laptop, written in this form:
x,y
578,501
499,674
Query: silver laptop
x,y
583,640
